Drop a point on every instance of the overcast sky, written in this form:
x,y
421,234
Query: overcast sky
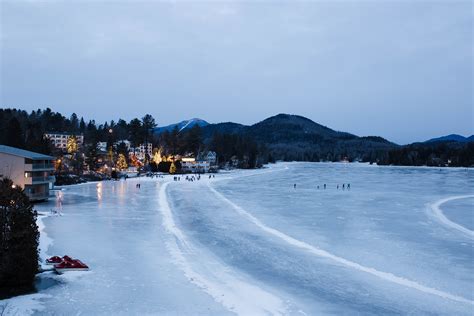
x,y
399,69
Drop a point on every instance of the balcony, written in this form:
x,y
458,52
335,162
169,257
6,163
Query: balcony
x,y
41,179
38,196
40,166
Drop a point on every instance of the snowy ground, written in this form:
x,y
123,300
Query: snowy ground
x,y
399,242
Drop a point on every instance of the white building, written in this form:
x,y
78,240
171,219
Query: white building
x,y
211,157
31,171
102,146
193,166
142,150
59,140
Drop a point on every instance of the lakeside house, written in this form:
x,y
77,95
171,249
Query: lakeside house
x,y
202,164
138,152
191,165
31,171
60,139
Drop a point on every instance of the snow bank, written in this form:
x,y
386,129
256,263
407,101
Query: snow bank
x,y
232,291
437,213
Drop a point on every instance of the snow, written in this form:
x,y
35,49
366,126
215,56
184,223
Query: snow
x,y
438,213
248,243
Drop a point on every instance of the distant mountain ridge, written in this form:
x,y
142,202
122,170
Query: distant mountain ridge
x,y
294,137
452,138
183,125
297,138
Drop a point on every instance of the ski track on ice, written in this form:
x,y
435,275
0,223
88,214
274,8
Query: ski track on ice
x,y
437,212
234,293
325,254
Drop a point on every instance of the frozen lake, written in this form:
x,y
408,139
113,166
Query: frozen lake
x,y
400,241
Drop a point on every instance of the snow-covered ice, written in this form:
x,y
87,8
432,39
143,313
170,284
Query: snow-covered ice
x,y
400,241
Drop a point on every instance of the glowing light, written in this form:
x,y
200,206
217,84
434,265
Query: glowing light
x,y
13,186
99,191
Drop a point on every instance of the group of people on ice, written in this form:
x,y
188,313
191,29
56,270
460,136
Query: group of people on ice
x,y
192,178
344,186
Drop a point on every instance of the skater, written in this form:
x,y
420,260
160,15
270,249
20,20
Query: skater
x,y
348,186
294,186
343,186
325,186
338,186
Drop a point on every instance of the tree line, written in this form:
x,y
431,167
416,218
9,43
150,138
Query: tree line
x,y
21,129
436,154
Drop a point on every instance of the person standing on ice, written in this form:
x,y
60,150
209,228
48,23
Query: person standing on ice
x,y
294,186
325,186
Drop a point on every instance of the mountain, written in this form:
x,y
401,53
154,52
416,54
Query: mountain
x,y
294,137
452,138
181,125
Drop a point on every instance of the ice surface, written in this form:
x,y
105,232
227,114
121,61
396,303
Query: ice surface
x,y
248,242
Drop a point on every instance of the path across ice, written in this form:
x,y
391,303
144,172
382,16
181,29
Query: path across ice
x,y
232,291
323,253
437,212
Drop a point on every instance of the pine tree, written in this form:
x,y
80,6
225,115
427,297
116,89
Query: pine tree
x,y
18,240
14,134
71,145
122,162
172,168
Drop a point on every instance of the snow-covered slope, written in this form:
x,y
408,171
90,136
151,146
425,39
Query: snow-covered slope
x,y
183,125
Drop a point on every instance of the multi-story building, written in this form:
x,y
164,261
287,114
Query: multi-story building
x,y
59,140
189,164
31,171
142,150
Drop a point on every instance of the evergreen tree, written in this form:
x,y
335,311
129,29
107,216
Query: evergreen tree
x,y
193,140
82,125
136,132
18,240
92,154
172,168
14,134
74,123
122,162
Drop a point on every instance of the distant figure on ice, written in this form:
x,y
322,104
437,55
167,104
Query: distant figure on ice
x,y
348,186
318,187
343,186
294,186
338,186
325,186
